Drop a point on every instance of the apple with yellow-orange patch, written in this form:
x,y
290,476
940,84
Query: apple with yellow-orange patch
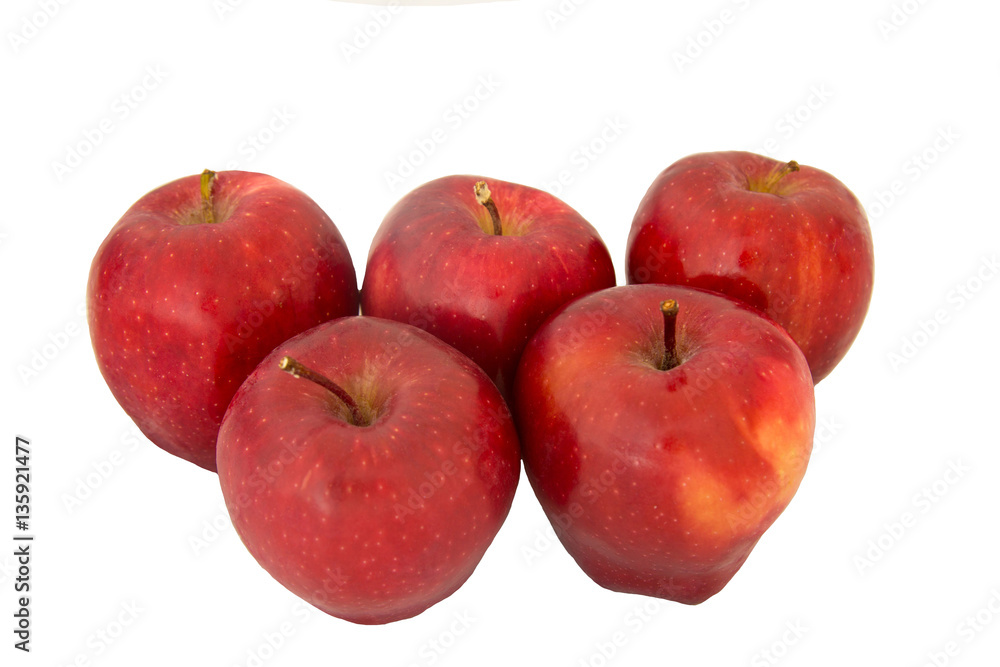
x,y
663,429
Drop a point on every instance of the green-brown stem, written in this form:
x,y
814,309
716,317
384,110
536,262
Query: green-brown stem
x,y
772,180
207,207
298,370
669,309
483,196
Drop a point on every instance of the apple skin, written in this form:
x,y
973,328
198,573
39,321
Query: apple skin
x,y
180,313
374,523
435,263
660,482
798,249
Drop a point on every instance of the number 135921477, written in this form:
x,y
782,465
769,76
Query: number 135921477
x,y
22,542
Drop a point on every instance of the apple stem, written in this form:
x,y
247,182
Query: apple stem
x,y
669,309
779,173
298,370
483,196
207,181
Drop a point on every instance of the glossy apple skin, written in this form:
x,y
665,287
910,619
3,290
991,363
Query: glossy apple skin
x,y
801,254
180,314
434,264
373,523
660,482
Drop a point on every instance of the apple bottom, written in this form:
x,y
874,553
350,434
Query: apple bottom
x,y
336,597
694,587
371,562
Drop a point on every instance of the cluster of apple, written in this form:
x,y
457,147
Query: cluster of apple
x,y
368,461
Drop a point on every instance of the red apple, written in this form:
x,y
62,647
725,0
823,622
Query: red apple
x,y
197,282
373,490
790,240
663,442
481,263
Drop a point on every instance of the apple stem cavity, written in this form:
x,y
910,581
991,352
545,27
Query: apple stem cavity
x,y
296,369
207,207
484,197
669,309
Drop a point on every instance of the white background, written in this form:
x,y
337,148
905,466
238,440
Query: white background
x,y
839,566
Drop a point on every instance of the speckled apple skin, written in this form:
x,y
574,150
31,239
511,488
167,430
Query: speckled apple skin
x,y
435,264
660,482
180,314
803,256
373,523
